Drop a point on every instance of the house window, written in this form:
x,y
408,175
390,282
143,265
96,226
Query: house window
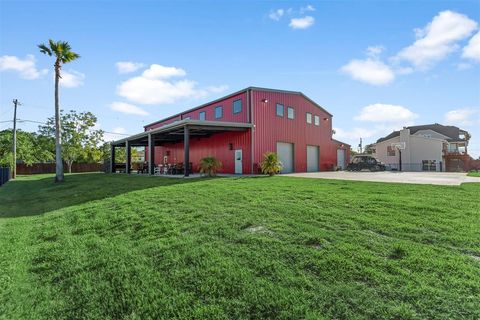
x,y
390,151
317,120
309,117
290,113
429,165
218,112
237,106
280,110
202,116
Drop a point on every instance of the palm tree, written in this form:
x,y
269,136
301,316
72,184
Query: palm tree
x,y
271,164
63,54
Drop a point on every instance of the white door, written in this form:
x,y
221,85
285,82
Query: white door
x,y
285,155
340,159
238,161
312,158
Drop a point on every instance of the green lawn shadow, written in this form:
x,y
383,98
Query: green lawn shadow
x,y
38,194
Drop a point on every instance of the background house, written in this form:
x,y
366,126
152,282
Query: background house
x,y
432,147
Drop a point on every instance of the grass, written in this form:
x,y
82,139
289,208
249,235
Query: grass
x,y
130,247
474,174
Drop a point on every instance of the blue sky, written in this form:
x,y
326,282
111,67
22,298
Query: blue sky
x,y
375,65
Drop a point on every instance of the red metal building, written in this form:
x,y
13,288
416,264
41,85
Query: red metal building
x,y
240,128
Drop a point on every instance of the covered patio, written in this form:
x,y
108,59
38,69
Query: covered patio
x,y
178,131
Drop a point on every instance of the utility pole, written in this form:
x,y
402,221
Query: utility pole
x,y
15,104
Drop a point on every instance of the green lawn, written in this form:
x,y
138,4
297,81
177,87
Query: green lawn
x,y
474,174
130,247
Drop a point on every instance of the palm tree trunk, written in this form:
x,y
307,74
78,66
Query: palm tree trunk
x,y
58,134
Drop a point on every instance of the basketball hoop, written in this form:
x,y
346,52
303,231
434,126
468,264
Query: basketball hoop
x,y
398,145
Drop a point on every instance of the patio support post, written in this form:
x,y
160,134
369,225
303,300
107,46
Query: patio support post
x,y
186,151
129,157
112,158
151,155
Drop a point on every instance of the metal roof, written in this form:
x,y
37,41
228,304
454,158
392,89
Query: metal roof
x,y
234,94
173,132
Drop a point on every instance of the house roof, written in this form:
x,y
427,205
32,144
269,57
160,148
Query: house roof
x,y
340,142
234,94
452,132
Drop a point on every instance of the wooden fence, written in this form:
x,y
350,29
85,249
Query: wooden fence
x,y
50,168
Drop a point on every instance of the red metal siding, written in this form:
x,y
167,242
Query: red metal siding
x,y
228,114
217,145
165,122
270,128
209,109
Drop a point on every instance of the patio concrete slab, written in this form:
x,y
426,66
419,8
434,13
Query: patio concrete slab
x,y
437,178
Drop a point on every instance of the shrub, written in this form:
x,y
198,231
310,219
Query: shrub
x,y
270,164
210,166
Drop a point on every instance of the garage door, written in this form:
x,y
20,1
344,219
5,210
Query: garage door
x,y
312,158
285,155
341,159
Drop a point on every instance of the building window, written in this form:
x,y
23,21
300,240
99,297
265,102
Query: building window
x,y
202,116
317,120
309,117
429,165
280,110
218,112
237,106
390,151
290,113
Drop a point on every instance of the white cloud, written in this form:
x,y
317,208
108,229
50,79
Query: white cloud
x,y
307,8
371,71
438,39
154,87
128,66
302,23
386,113
277,14
25,67
128,109
472,49
71,79
156,71
375,51
216,89
117,133
354,134
463,117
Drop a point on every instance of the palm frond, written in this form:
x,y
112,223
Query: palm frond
x,y
69,56
44,49
53,46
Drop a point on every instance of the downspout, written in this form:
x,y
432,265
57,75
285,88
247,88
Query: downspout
x,y
252,130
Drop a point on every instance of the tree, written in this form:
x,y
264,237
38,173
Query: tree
x,y
31,148
63,54
80,140
369,148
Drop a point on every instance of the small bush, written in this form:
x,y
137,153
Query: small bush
x,y
270,164
210,166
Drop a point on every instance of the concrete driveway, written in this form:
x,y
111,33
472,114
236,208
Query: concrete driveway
x,y
440,178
